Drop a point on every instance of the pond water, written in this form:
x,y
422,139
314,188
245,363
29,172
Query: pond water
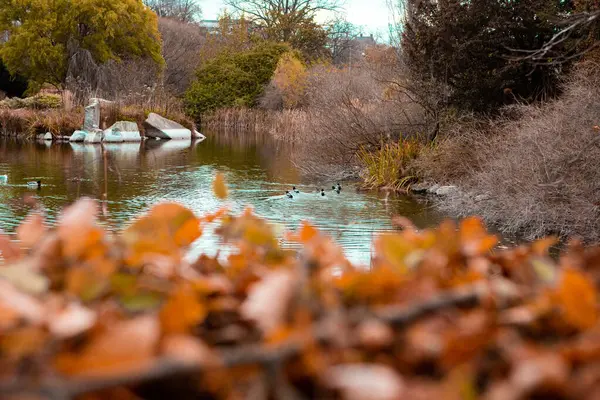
x,y
258,171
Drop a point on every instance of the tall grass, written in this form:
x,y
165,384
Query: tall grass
x,y
390,165
27,123
284,124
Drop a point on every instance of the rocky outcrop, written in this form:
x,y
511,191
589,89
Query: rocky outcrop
x,y
94,136
122,131
162,128
78,136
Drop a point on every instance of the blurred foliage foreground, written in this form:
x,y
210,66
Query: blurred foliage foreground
x,y
440,314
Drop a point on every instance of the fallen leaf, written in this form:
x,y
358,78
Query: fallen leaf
x,y
182,311
124,347
31,230
219,186
25,305
188,349
71,321
8,250
24,278
268,300
365,382
577,299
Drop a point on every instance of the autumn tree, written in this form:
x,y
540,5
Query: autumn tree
x,y
465,46
290,21
340,36
181,10
47,36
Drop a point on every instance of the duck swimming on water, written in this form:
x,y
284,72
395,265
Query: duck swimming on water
x,y
294,189
288,194
35,185
322,192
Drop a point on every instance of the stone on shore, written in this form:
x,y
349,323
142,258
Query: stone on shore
x,y
122,131
78,136
161,128
199,136
91,119
419,188
94,136
446,190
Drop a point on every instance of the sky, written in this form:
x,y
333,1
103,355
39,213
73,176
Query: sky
x,y
371,14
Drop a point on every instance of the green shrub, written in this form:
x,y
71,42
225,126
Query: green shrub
x,y
233,79
37,102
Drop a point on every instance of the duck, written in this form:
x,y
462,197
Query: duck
x,y
3,179
288,194
339,187
337,190
295,190
35,185
322,192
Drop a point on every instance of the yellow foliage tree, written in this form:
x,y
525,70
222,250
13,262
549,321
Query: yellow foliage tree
x,y
290,78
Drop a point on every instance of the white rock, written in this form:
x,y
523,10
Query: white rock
x,y
122,131
78,136
162,128
91,119
94,136
433,188
446,190
199,136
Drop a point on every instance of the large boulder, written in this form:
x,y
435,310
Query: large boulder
x,y
91,119
94,136
198,136
78,136
161,128
122,131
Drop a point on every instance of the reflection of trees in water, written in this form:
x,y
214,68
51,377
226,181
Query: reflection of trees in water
x,y
250,148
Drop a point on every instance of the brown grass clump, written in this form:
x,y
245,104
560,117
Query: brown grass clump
x,y
287,125
389,166
536,174
27,123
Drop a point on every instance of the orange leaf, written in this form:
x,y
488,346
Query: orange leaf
x,y
307,232
219,186
578,299
182,311
124,347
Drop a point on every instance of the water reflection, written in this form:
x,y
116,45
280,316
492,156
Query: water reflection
x,y
136,175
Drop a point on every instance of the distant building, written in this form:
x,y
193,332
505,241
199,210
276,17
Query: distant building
x,y
210,25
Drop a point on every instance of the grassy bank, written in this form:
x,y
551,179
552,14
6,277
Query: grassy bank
x,y
532,172
26,118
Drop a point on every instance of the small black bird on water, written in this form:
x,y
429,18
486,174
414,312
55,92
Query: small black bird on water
x,y
322,192
339,188
35,185
288,194
294,189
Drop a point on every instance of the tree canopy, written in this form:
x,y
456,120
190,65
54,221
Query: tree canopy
x,y
466,46
45,34
290,21
181,10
